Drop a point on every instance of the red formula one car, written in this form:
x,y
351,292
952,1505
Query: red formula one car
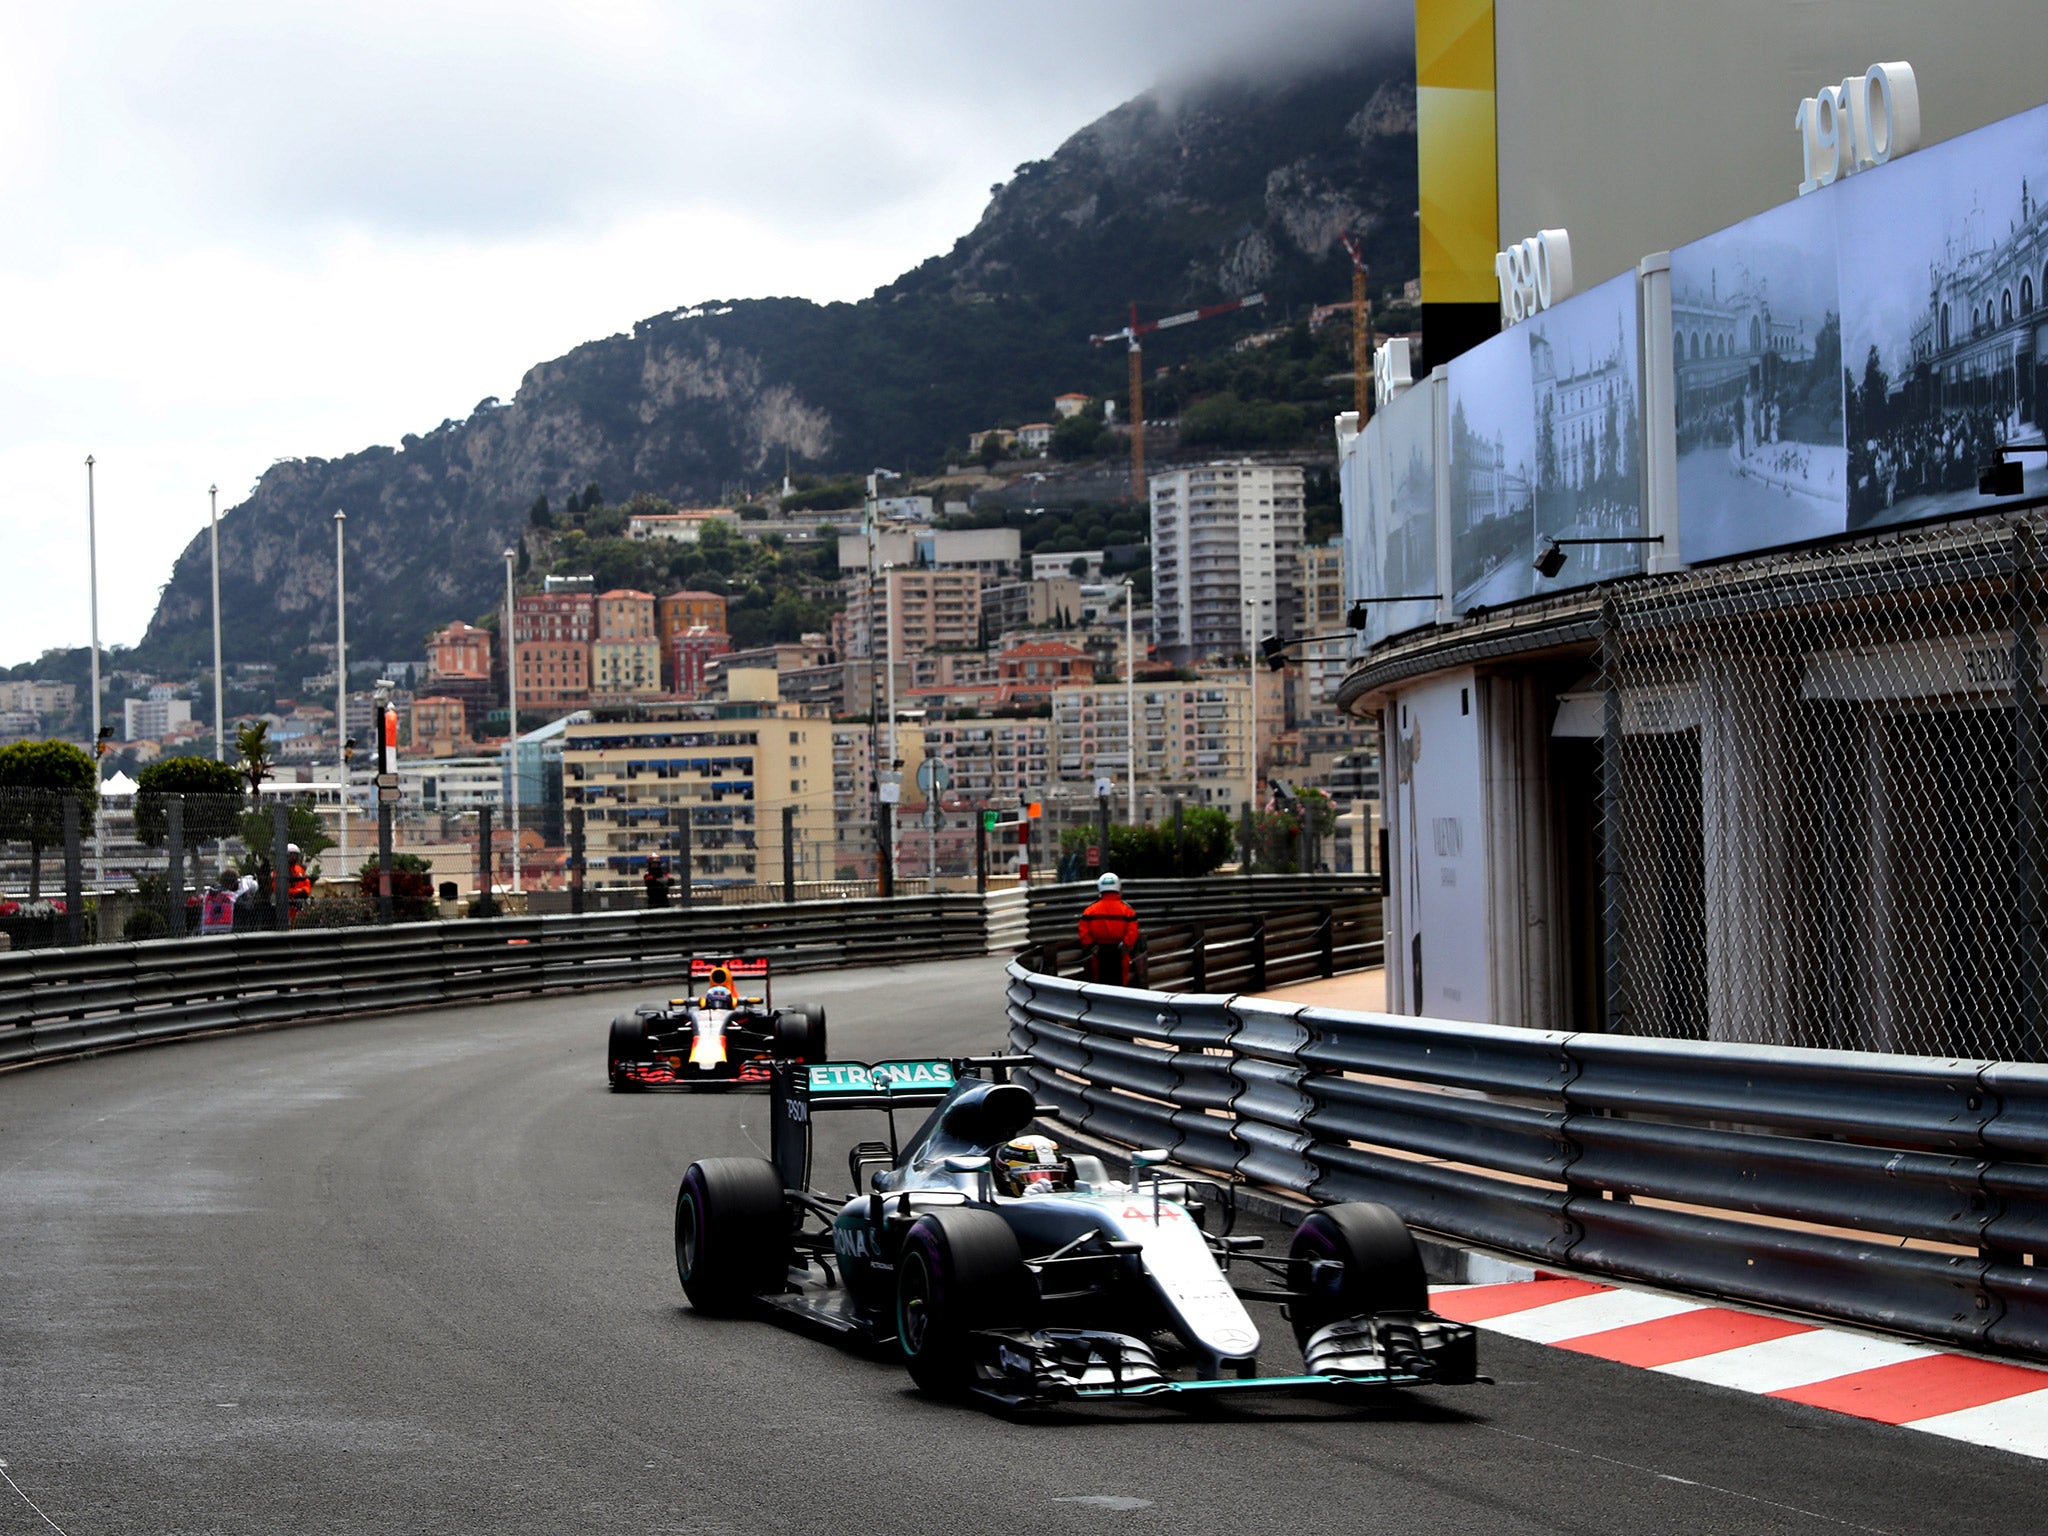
x,y
714,1035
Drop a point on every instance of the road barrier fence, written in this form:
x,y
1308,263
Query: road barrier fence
x,y
1903,1193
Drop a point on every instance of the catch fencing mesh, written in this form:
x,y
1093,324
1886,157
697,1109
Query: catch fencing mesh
x,y
1824,807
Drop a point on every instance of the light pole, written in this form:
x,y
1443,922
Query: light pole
x,y
340,683
1251,671
512,717
1130,707
92,559
219,713
889,684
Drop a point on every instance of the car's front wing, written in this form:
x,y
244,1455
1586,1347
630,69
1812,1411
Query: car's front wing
x,y
1037,1366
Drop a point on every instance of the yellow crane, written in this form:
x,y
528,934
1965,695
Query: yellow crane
x,y
1130,334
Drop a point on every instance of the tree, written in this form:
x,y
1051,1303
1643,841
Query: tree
x,y
35,776
252,743
212,793
538,515
301,826
412,884
991,453
1078,437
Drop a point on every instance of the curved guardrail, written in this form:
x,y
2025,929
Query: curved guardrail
x,y
1903,1193
70,1002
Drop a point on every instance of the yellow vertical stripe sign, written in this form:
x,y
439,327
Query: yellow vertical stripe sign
x,y
1456,165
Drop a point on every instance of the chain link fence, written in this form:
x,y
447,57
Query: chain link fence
x,y
1823,798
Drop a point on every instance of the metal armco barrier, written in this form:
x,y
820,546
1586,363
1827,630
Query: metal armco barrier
x,y
56,1003
1903,1193
1055,909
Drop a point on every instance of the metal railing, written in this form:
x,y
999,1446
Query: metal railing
x,y
68,1002
1903,1193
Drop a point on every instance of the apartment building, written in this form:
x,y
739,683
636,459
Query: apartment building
x,y
926,610
681,612
625,658
1226,549
460,666
1029,604
438,727
1194,739
156,716
1320,606
552,633
728,774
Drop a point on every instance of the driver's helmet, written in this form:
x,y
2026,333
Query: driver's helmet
x,y
718,997
1030,1165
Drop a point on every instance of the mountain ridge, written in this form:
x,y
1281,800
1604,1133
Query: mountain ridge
x,y
1210,194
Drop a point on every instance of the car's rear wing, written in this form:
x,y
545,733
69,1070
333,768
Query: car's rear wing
x,y
732,973
798,1090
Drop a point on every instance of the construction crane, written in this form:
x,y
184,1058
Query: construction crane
x,y
1130,334
1361,332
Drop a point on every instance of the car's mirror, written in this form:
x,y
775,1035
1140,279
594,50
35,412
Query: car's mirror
x,y
1151,1157
964,1162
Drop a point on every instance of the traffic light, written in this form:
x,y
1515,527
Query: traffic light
x,y
988,821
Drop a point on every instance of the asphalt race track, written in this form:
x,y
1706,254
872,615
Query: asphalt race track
x,y
414,1274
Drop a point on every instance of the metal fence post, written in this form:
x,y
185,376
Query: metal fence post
x,y
576,859
1615,989
1180,842
174,870
1102,832
687,857
789,854
384,912
1245,841
885,862
486,874
280,866
980,854
74,872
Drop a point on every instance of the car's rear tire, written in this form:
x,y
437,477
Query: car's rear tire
x,y
958,1271
628,1043
1382,1271
800,1034
732,1232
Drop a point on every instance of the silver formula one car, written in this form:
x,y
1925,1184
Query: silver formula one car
x,y
996,1268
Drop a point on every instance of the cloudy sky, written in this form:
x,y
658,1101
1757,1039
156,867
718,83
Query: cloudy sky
x,y
238,232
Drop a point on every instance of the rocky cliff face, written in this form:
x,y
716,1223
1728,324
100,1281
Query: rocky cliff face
x,y
1213,193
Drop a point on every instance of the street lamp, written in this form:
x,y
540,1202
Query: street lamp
x,y
1130,708
1251,670
340,679
92,560
219,714
512,716
1550,559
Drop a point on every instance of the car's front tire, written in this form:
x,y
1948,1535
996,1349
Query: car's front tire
x,y
800,1034
959,1271
732,1232
628,1043
1381,1269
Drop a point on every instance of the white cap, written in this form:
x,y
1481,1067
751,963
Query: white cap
x,y
1109,883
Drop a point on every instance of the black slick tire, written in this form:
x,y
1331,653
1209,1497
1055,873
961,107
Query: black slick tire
x,y
1382,1271
732,1232
958,1271
628,1043
800,1034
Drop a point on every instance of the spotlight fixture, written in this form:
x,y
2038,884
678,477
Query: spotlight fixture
x,y
1551,557
1355,616
2002,477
